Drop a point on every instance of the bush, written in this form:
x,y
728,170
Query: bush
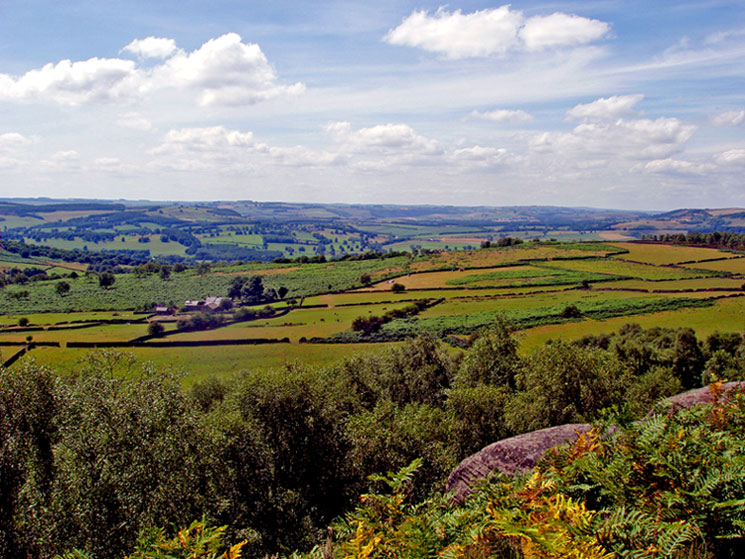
x,y
155,329
571,311
23,321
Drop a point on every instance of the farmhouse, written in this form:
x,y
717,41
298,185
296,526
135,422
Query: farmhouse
x,y
193,305
214,303
209,304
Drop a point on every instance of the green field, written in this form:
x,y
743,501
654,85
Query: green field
x,y
725,315
659,255
613,267
196,363
732,266
530,284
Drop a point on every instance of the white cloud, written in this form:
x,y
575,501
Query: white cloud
x,y
384,138
459,35
151,47
64,160
384,146
676,167
209,139
560,29
503,115
731,157
223,71
624,139
134,121
728,118
12,145
226,71
68,155
480,156
492,31
12,141
73,83
606,107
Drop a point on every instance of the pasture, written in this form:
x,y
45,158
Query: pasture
x,y
661,255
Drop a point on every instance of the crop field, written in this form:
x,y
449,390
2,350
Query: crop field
x,y
660,255
731,265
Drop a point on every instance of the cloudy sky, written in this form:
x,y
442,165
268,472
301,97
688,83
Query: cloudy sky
x,y
608,103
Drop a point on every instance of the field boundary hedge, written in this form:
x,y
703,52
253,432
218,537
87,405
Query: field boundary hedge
x,y
180,343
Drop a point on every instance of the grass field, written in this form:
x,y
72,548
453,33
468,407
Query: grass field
x,y
198,363
628,269
668,254
499,257
695,283
155,246
308,323
732,265
726,315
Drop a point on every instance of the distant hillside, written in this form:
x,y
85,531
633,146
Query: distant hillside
x,y
249,230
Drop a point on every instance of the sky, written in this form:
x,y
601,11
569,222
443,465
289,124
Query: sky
x,y
607,103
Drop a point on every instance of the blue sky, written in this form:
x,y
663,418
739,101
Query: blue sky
x,y
617,104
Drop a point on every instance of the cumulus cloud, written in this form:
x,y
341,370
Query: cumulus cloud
x,y
12,141
381,148
732,157
606,107
631,139
480,156
151,47
12,145
503,115
492,32
676,167
73,83
223,71
134,121
384,138
226,70
728,118
209,139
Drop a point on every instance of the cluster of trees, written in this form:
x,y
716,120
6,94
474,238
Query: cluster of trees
x,y
369,324
89,460
502,242
250,289
101,260
718,239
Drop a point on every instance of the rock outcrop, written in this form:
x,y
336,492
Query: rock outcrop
x,y
520,454
700,395
509,456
